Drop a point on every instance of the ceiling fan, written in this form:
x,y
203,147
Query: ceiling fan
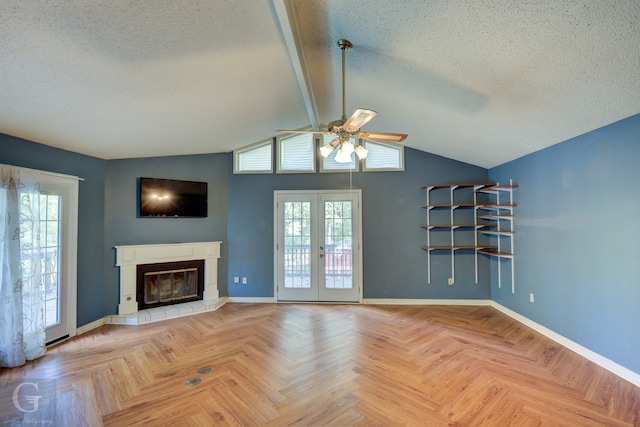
x,y
345,129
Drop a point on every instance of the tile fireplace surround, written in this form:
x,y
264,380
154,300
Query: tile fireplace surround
x,y
129,257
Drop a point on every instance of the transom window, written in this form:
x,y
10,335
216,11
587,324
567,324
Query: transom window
x,y
255,158
383,157
298,154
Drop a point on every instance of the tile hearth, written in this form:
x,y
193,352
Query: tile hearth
x,y
162,313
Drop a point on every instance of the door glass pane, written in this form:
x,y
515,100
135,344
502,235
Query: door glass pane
x,y
297,244
338,266
50,255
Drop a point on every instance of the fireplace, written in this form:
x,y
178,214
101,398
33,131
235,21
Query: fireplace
x,y
128,258
169,283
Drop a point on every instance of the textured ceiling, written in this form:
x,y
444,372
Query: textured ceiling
x,y
483,82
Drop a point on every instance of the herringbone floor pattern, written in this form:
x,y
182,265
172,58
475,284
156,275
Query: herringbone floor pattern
x,y
309,365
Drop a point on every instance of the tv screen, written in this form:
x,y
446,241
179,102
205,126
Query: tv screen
x,y
172,198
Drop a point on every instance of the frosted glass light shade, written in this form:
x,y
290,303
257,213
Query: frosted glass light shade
x,y
325,150
361,152
342,157
347,147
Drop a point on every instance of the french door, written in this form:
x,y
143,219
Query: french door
x,y
318,252
58,242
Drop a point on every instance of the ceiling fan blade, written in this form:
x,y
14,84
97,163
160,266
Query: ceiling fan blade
x,y
383,136
358,119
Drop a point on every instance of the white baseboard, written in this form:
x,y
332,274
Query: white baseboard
x,y
596,358
90,326
399,301
259,300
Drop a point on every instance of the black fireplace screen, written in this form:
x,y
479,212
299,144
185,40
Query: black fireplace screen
x,y
170,283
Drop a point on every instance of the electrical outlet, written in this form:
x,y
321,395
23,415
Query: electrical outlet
x,y
531,297
244,280
236,279
450,281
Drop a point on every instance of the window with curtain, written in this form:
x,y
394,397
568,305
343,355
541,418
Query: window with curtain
x,y
22,295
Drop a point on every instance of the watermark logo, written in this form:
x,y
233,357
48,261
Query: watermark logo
x,y
31,399
29,402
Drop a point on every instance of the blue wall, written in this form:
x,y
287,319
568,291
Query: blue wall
x,y
123,227
394,266
241,215
18,152
577,229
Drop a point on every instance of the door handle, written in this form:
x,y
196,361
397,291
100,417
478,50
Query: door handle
x,y
321,251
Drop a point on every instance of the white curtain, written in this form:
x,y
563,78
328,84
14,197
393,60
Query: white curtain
x,y
22,321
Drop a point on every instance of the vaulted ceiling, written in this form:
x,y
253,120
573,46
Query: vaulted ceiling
x,y
481,81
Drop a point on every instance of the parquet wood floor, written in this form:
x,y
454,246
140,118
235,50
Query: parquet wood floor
x,y
317,365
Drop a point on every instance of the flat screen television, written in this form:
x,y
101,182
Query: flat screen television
x,y
172,198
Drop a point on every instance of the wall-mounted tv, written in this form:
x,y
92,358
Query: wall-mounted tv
x,y
172,198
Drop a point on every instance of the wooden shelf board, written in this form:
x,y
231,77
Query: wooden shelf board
x,y
495,216
494,188
431,186
432,248
497,208
497,232
456,225
505,186
455,205
496,253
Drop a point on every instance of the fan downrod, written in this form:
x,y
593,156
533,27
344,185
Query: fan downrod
x,y
359,118
344,44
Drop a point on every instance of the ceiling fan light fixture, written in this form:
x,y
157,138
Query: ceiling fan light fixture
x,y
347,128
342,157
361,152
325,150
347,147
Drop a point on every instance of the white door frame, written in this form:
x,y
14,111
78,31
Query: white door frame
x,y
357,244
67,187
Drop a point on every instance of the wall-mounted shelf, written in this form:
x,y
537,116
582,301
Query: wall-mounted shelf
x,y
496,216
453,224
452,206
497,233
436,248
500,217
495,253
428,226
489,219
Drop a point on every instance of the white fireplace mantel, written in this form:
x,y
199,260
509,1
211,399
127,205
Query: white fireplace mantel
x,y
129,257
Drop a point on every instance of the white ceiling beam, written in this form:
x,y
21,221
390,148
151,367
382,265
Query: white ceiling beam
x,y
285,12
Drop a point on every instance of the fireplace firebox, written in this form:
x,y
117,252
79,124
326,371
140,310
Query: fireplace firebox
x,y
168,283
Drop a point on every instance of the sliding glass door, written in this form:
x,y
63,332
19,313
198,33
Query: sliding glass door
x,y
58,242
